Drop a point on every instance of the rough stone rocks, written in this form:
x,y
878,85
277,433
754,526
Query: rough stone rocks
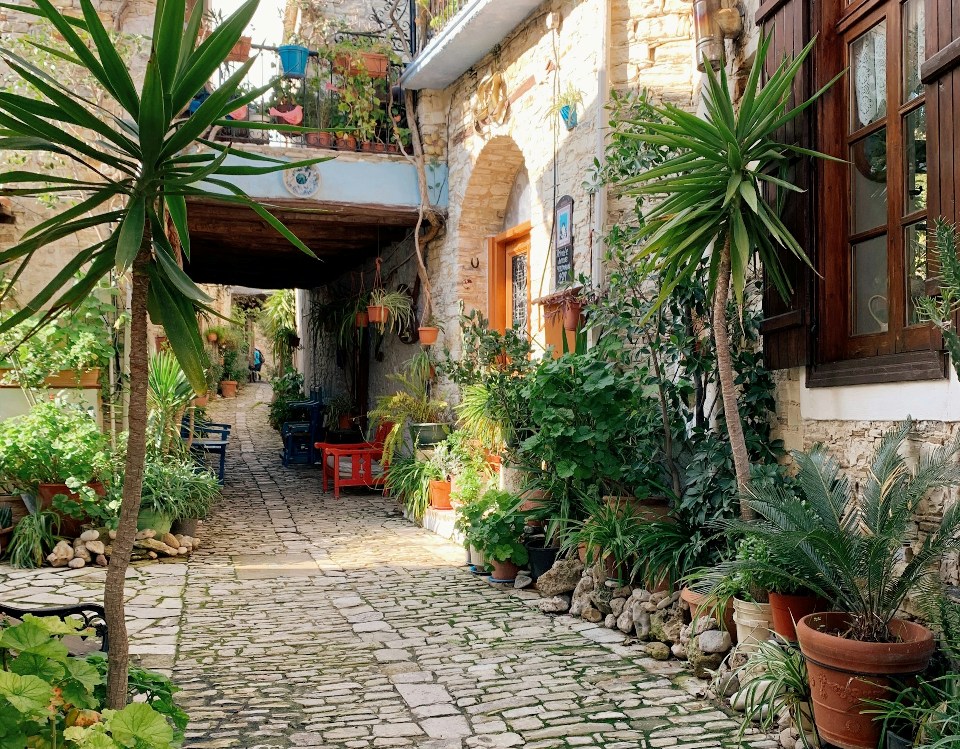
x,y
714,641
788,738
622,591
113,535
702,663
151,544
554,604
640,595
183,550
585,585
655,598
592,615
563,577
702,624
669,601
601,598
679,651
61,555
617,605
95,547
756,692
102,560
727,684
641,621
658,651
148,533
665,626
521,581
610,621
81,552
625,621
89,536
576,606
170,540
76,563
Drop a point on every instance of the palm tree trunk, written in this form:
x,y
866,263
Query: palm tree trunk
x,y
118,660
728,388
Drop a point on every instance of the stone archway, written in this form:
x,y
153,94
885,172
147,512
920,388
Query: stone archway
x,y
481,215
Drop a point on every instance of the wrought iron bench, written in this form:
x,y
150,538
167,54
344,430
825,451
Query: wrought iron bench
x,y
209,438
92,614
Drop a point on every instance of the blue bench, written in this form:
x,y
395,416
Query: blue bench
x,y
208,438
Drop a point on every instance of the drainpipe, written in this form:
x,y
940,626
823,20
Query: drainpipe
x,y
603,93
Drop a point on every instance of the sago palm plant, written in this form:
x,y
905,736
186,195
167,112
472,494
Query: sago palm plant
x,y
712,209
847,546
141,160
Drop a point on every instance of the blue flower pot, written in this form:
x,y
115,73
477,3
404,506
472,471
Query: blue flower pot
x,y
569,115
293,60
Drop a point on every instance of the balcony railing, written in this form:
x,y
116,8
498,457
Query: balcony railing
x,y
339,103
440,13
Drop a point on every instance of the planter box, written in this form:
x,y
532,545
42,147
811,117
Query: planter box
x,y
64,380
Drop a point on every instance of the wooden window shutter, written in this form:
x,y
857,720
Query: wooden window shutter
x,y
787,324
941,73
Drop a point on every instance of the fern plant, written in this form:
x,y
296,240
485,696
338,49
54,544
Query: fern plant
x,y
847,546
940,310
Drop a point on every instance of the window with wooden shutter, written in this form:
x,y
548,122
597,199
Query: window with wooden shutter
x,y
787,322
876,207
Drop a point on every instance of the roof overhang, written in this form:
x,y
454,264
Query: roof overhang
x,y
463,42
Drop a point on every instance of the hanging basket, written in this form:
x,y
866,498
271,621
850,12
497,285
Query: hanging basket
x,y
363,319
569,116
378,314
572,314
428,335
293,60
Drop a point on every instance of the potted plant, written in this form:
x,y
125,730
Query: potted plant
x,y
847,546
389,308
413,407
751,606
566,105
293,60
429,331
498,533
342,411
319,114
213,333
33,538
440,466
409,481
173,489
56,449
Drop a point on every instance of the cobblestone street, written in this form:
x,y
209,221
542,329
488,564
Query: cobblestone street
x,y
309,622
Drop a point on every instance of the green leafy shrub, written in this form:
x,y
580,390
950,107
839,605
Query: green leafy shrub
x,y
287,389
54,442
177,488
494,526
51,699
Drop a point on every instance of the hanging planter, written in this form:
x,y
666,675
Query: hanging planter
x,y
569,116
363,319
293,60
572,314
428,334
378,314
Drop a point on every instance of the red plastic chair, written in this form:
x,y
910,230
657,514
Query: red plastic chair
x,y
355,464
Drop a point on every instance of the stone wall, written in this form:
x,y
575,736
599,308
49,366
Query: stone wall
x,y
597,44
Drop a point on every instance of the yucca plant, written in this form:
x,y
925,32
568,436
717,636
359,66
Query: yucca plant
x,y
141,160
168,396
712,209
847,545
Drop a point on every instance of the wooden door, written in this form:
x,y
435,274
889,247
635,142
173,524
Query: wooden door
x,y
509,287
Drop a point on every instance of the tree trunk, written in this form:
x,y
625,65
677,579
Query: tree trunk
x,y
118,661
728,388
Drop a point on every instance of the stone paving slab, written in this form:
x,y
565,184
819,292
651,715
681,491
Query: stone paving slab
x,y
306,621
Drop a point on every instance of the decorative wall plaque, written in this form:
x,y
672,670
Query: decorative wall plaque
x,y
302,182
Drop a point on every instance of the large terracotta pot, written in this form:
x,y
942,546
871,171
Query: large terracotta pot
x,y
650,508
845,672
228,388
503,572
440,495
428,334
572,312
377,314
69,527
787,610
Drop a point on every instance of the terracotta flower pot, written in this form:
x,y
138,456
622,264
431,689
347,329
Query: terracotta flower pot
x,y
440,495
345,422
347,143
363,319
228,388
212,337
503,572
69,527
572,313
378,314
428,334
787,610
845,672
201,400
241,50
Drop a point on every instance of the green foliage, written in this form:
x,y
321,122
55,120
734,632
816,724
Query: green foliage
x,y
409,481
6,517
493,525
33,538
781,686
51,699
593,426
278,321
490,372
235,366
712,187
399,307
168,395
80,341
54,442
844,541
287,389
177,487
940,310
413,403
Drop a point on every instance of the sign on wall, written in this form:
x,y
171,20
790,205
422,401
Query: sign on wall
x,y
563,241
